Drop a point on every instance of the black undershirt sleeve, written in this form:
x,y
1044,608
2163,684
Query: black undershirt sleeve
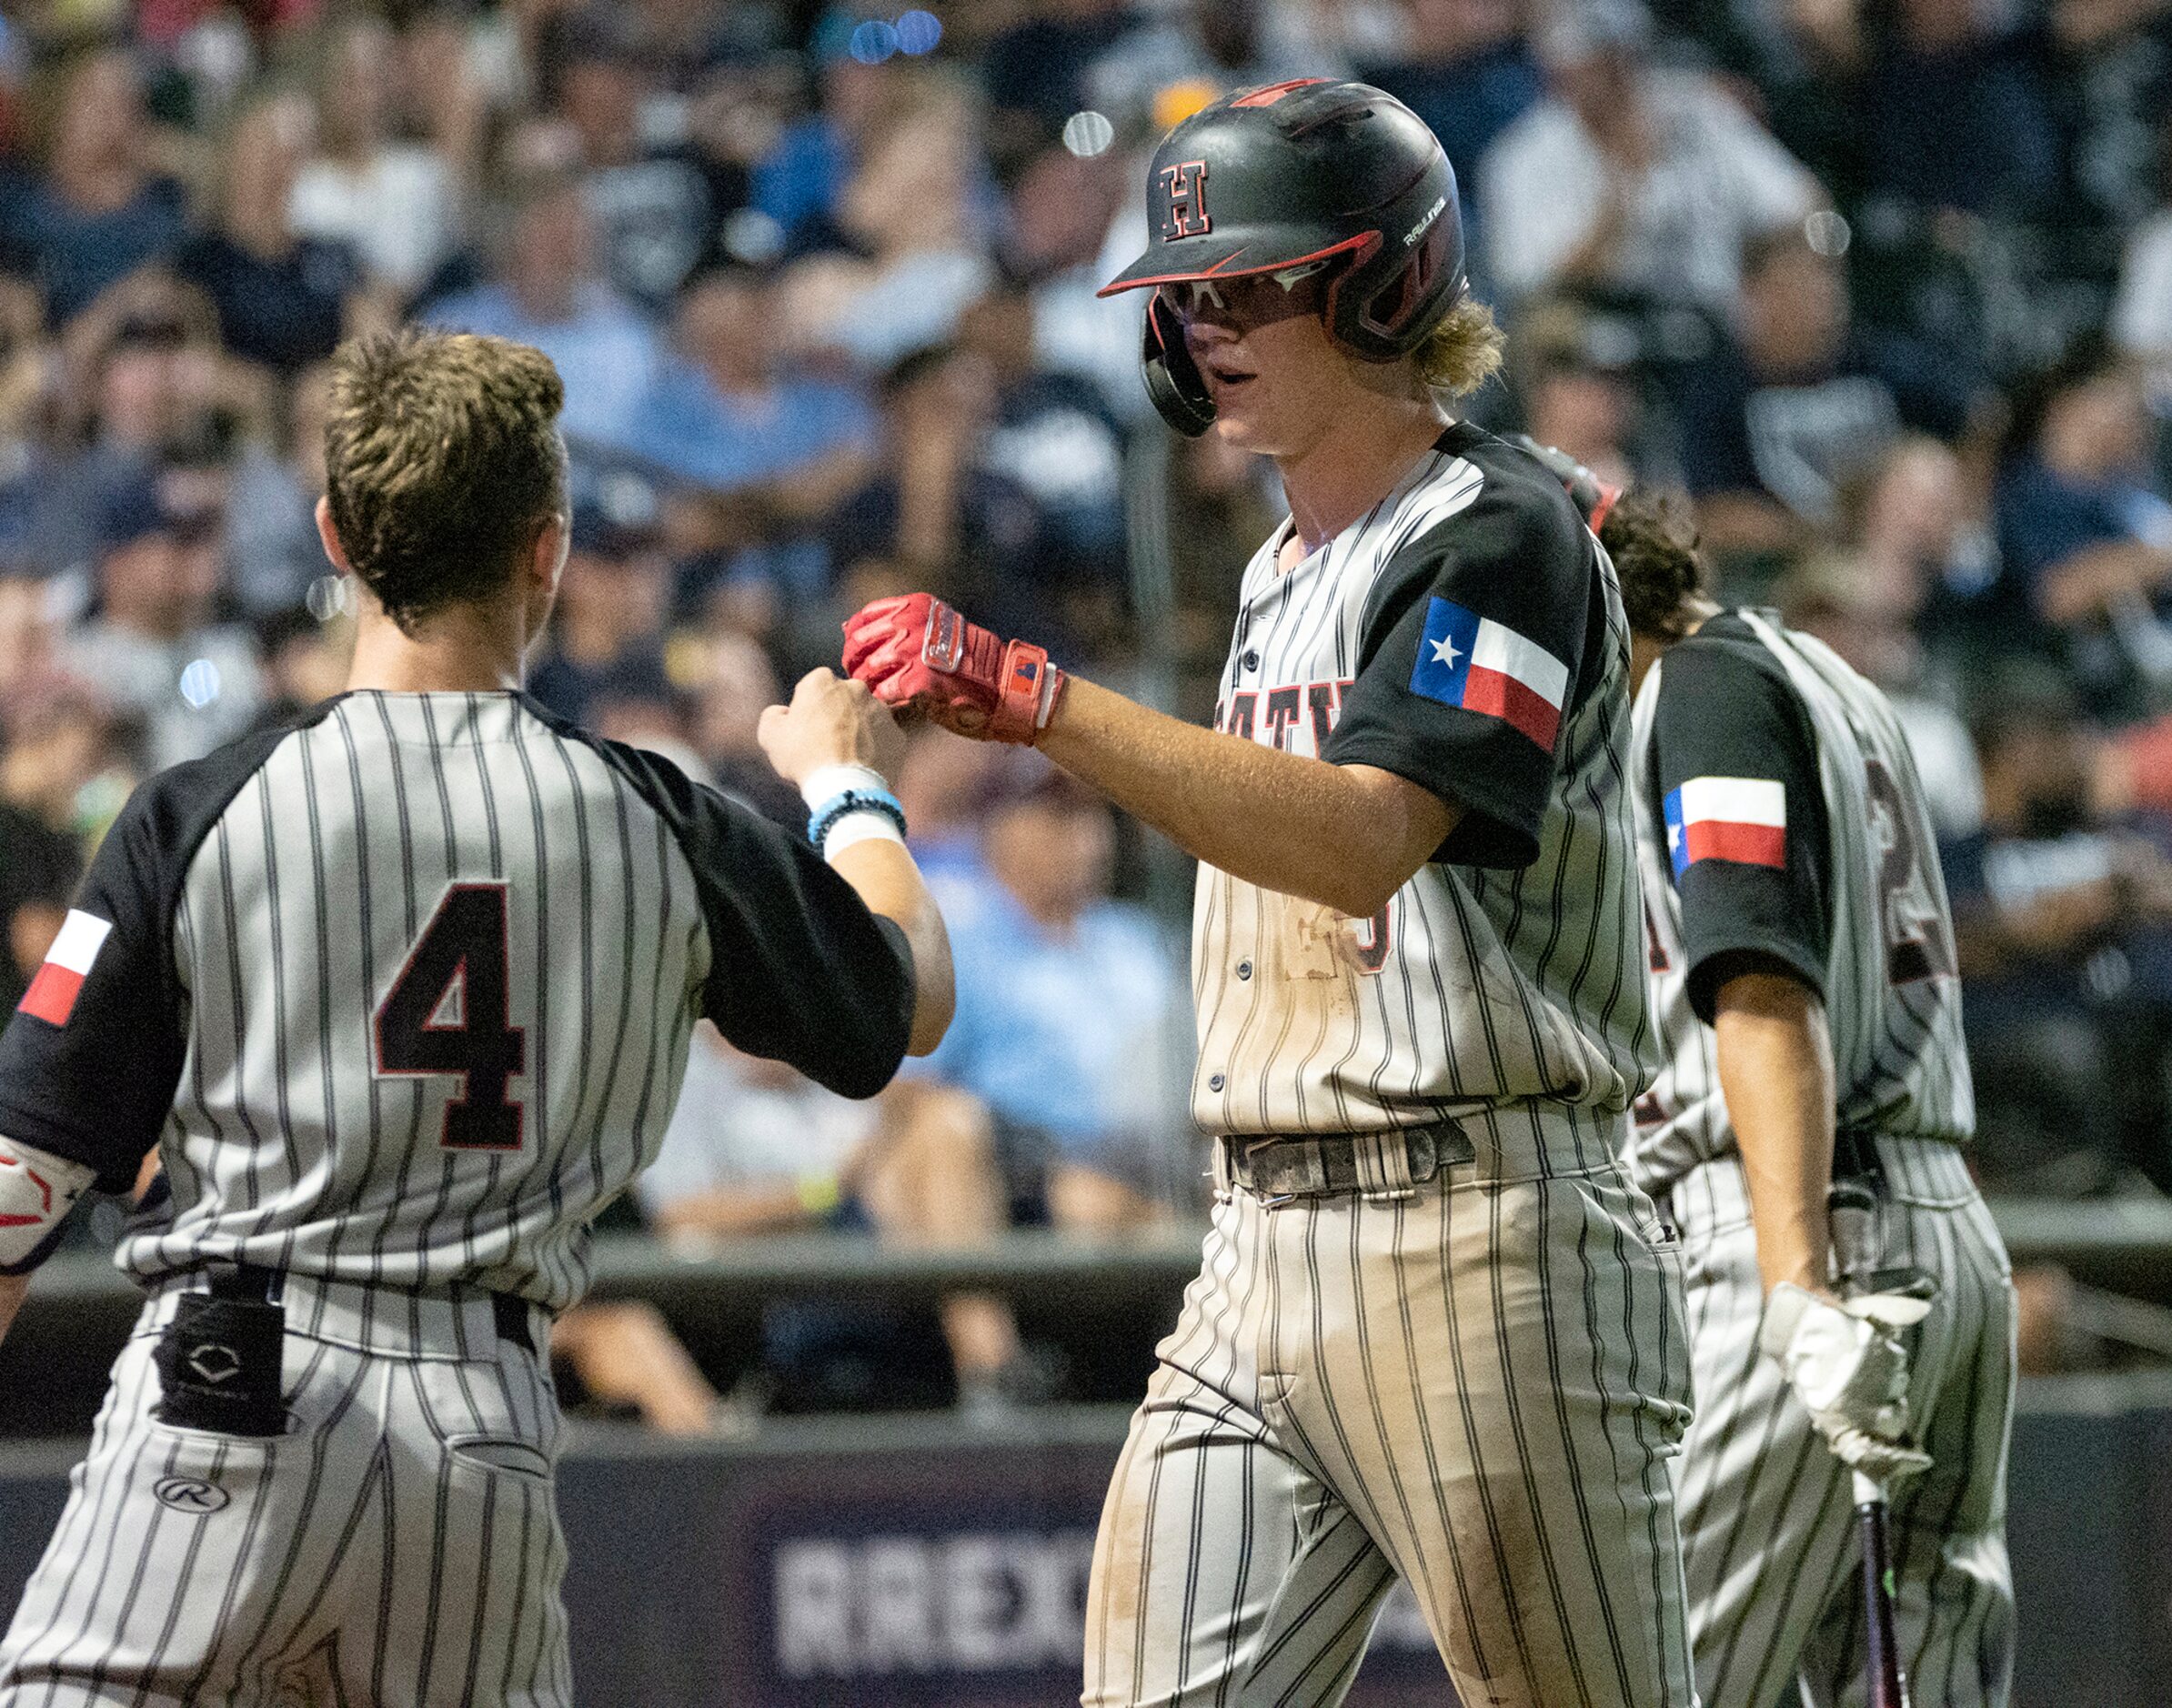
x,y
801,970
88,1071
1471,659
1735,758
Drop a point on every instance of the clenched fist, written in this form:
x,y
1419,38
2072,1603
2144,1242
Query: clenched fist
x,y
916,652
830,721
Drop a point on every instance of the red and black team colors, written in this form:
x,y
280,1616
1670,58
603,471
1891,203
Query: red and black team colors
x,y
1782,831
400,993
1437,1331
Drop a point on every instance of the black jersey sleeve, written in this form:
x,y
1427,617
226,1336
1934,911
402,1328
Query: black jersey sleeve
x,y
94,1052
1734,775
92,1055
799,970
1471,659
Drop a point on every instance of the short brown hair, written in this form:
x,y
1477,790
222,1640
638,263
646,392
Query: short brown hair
x,y
1461,353
442,463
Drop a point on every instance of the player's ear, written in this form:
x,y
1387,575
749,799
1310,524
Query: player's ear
x,y
329,535
551,546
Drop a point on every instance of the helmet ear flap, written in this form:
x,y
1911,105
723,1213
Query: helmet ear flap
x,y
1174,382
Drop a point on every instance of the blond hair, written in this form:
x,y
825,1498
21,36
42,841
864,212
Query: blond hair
x,y
442,463
1461,353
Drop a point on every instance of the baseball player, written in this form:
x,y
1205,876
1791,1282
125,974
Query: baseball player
x,y
1436,1333
400,992
1803,984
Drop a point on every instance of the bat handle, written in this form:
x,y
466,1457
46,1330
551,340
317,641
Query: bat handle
x,y
1881,1645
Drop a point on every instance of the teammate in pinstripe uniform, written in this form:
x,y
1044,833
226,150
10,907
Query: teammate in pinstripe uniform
x,y
1434,1334
400,992
1803,984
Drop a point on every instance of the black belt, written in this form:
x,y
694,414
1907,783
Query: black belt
x,y
257,1285
1308,1165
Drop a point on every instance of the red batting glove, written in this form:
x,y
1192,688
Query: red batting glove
x,y
916,652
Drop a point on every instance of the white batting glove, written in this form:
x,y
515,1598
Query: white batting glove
x,y
1851,1374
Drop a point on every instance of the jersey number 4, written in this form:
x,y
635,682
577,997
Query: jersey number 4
x,y
447,1013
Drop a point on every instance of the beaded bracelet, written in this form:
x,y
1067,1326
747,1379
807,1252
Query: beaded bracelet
x,y
880,801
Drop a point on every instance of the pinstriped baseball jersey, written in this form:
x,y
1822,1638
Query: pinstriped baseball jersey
x,y
1467,633
403,991
1469,1374
1779,813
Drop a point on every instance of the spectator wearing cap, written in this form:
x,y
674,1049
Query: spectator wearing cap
x,y
1468,71
727,412
99,210
282,299
1577,389
650,202
548,292
1038,72
1629,177
1065,999
394,202
607,632
154,650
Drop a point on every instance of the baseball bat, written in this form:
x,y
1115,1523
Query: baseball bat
x,y
1853,1214
1881,1648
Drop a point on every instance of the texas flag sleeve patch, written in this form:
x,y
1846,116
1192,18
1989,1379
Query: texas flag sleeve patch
x,y
52,994
1739,818
1472,661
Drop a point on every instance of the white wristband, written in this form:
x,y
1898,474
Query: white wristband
x,y
826,783
859,827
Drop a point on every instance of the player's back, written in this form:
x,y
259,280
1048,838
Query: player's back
x,y
430,963
1838,775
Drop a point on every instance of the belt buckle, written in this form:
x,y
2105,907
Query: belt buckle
x,y
1282,1171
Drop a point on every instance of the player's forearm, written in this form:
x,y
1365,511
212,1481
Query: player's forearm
x,y
1347,836
886,879
1776,1068
12,1289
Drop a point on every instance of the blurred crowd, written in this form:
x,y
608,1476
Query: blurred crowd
x,y
1883,287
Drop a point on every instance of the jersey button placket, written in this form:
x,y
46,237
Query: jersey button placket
x,y
1244,970
1251,658
1215,1082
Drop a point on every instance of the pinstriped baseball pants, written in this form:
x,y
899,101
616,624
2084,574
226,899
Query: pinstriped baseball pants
x,y
1475,1386
399,1546
1768,1542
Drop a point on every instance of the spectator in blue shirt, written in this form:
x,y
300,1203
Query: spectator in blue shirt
x,y
281,298
549,294
726,412
2074,510
1064,998
1955,115
98,212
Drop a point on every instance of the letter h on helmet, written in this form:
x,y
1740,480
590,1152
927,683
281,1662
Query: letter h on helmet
x,y
1307,171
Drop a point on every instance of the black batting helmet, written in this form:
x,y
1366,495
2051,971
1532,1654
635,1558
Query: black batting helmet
x,y
1313,172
